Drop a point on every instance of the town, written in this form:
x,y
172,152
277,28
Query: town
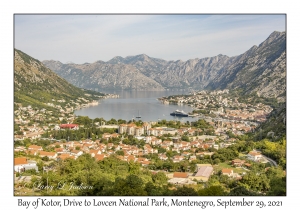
x,y
187,153
224,111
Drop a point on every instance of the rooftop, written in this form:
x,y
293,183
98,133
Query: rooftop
x,y
205,171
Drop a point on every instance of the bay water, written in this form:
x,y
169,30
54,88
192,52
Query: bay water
x,y
132,104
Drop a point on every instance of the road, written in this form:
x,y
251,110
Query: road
x,y
271,161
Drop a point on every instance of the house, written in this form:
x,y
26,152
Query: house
x,y
19,163
22,164
20,149
203,173
76,153
162,157
177,158
145,163
202,154
195,144
167,143
65,156
176,150
122,128
167,148
131,158
69,126
35,147
182,181
34,135
60,150
155,141
110,145
139,131
155,131
185,154
237,162
216,146
181,178
254,156
227,172
141,159
180,175
94,152
32,152
100,157
50,155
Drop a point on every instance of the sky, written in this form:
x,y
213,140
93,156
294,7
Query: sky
x,y
93,37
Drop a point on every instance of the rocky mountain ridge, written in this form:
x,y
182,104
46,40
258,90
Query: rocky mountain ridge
x,y
261,69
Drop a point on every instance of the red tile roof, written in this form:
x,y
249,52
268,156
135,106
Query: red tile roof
x,y
68,125
65,156
99,157
35,147
20,161
180,175
227,170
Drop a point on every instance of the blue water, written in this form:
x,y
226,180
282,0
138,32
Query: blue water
x,y
130,104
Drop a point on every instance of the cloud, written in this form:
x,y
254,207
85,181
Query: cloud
x,y
87,38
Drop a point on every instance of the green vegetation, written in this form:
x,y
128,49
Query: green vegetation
x,y
36,85
274,128
114,177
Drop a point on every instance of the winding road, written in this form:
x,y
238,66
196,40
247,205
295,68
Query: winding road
x,y
271,161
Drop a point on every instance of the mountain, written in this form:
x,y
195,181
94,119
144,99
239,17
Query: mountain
x,y
195,73
36,85
261,70
274,127
101,75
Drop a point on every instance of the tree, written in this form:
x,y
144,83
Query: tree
x,y
160,178
277,187
131,186
45,158
277,181
242,191
212,191
120,152
216,161
185,191
161,150
256,181
185,138
133,167
153,190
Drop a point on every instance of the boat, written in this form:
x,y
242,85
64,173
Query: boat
x,y
179,113
138,115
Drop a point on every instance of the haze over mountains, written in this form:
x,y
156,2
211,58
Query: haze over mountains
x,y
261,70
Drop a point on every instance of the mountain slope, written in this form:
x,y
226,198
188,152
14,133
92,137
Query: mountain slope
x,y
101,75
35,84
261,69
